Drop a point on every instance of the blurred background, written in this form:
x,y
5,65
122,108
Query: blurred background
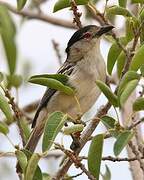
x,y
36,55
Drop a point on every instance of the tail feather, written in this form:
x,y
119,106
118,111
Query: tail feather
x,y
37,131
34,138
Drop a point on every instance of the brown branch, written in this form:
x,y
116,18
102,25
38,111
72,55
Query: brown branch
x,y
17,113
136,124
137,154
58,155
31,107
115,159
74,176
77,15
96,14
26,109
73,157
56,48
41,16
103,21
84,138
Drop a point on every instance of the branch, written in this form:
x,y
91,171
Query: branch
x,y
84,138
17,113
73,157
137,154
41,16
57,51
74,176
116,159
77,15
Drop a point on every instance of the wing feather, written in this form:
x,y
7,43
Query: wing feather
x,y
66,69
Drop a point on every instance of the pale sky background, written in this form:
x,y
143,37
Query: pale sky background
x,y
35,46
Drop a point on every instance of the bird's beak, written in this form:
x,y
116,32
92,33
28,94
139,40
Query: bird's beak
x,y
104,29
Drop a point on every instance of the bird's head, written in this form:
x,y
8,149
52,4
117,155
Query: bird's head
x,y
84,40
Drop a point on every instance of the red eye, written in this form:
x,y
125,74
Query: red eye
x,y
87,35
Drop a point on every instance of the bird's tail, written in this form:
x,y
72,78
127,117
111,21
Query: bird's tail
x,y
35,135
37,131
34,138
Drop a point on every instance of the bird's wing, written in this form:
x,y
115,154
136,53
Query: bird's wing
x,y
66,69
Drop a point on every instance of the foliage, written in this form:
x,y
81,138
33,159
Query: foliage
x,y
125,60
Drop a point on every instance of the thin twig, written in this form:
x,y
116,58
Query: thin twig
x,y
115,159
17,113
77,14
73,157
41,16
58,155
26,109
56,48
74,176
84,138
136,124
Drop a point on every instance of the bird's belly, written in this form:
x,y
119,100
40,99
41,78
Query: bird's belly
x,y
86,95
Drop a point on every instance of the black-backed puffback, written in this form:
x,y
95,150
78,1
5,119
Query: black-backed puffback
x,y
84,66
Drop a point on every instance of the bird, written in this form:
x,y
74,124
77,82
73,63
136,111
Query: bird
x,y
83,66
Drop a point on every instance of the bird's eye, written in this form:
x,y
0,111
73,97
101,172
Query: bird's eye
x,y
87,35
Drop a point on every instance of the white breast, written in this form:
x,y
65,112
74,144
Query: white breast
x,y
89,69
83,78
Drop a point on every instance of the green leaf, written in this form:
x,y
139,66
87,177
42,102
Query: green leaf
x,y
5,107
142,70
61,4
141,15
60,77
129,28
137,60
141,19
38,174
120,63
129,76
95,155
4,128
8,31
14,81
107,175
127,91
46,176
1,77
108,93
21,4
22,159
73,129
6,21
26,130
31,167
53,84
122,141
113,54
117,10
137,1
109,122
27,153
10,49
122,3
138,105
53,125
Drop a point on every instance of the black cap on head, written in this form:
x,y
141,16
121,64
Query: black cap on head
x,y
77,36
